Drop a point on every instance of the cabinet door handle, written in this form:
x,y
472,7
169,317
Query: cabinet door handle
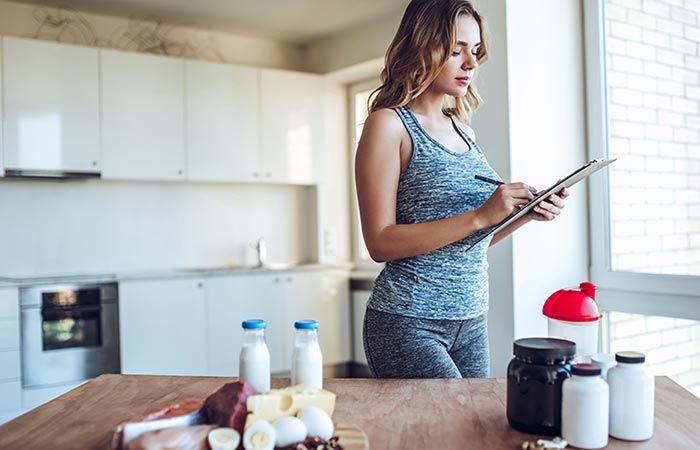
x,y
277,280
267,174
94,163
289,279
200,284
179,172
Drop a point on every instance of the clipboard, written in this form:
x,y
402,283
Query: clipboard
x,y
574,177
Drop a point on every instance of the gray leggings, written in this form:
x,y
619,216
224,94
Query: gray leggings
x,y
407,347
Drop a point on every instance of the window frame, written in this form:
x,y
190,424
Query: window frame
x,y
641,293
357,241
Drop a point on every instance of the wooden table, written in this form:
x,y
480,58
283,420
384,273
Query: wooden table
x,y
395,414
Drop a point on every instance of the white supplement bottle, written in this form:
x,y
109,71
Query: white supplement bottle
x,y
307,361
631,398
255,357
584,408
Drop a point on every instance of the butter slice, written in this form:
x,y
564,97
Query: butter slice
x,y
287,402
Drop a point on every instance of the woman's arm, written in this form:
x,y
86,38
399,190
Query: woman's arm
x,y
377,172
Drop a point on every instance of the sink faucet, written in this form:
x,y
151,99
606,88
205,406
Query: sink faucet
x,y
261,248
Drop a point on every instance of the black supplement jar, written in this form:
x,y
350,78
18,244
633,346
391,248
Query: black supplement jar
x,y
535,377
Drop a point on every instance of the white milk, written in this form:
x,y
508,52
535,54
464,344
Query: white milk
x,y
307,360
255,366
254,359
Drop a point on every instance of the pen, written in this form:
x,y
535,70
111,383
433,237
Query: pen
x,y
488,180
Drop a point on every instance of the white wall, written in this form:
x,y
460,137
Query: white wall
x,y
18,19
547,131
353,46
532,129
73,227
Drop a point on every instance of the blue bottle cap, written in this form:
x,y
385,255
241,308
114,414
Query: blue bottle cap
x,y
254,324
306,324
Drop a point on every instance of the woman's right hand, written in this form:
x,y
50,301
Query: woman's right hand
x,y
505,200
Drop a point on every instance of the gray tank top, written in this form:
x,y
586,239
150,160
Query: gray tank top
x,y
450,282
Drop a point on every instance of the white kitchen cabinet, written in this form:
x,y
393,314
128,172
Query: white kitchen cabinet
x,y
163,327
222,122
291,111
10,362
359,306
322,296
2,102
230,301
143,117
51,106
10,396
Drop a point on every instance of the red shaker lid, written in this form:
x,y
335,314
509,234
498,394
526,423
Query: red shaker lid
x,y
573,305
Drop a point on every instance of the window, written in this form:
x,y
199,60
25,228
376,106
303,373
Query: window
x,y
359,94
643,87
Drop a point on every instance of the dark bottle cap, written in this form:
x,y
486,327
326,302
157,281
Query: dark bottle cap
x,y
586,370
544,349
630,357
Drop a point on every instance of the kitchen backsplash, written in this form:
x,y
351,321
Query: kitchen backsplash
x,y
97,226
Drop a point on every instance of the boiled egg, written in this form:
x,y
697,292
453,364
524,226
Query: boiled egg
x,y
289,430
317,422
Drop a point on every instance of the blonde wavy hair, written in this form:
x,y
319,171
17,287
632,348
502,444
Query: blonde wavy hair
x,y
421,47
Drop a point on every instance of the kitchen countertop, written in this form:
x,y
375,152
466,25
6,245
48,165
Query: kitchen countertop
x,y
193,272
395,414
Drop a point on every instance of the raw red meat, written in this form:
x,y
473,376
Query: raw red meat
x,y
227,406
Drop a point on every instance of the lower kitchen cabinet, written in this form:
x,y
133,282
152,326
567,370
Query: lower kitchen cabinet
x,y
359,306
230,301
10,363
324,297
193,326
162,327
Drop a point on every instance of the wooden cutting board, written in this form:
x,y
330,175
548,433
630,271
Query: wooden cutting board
x,y
351,438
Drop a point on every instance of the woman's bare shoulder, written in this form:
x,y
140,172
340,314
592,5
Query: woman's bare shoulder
x,y
385,122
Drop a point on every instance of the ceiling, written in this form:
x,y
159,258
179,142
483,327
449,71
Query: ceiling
x,y
291,21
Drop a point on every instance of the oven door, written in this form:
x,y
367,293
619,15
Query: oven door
x,y
68,335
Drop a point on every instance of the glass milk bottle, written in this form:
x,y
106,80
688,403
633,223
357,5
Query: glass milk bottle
x,y
307,361
254,356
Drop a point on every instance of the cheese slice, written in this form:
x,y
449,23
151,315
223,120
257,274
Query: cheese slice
x,y
287,402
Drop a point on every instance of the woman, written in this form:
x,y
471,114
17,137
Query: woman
x,y
421,206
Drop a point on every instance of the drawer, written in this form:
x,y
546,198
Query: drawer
x,y
10,365
9,334
9,304
11,396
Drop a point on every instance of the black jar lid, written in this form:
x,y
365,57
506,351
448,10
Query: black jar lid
x,y
544,349
630,357
586,370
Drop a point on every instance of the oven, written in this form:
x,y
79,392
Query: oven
x,y
70,333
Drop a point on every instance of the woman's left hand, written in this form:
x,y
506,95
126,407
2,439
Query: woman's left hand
x,y
549,209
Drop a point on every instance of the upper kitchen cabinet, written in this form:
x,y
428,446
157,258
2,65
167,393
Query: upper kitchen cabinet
x,y
222,123
51,106
142,116
291,111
